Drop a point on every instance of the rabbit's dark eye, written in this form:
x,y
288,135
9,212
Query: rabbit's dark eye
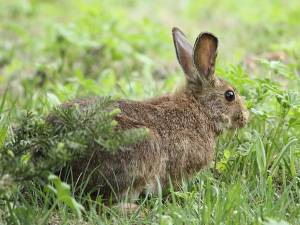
x,y
229,95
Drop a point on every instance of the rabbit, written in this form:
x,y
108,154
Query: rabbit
x,y
183,128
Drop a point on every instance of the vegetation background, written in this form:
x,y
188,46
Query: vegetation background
x,y
55,50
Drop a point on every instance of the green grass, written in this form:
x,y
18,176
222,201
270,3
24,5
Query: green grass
x,y
52,51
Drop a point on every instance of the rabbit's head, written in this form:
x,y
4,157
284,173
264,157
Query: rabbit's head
x,y
217,98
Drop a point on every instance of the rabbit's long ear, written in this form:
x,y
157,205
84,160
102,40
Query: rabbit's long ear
x,y
184,51
204,55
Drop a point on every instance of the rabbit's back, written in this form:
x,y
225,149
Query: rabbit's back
x,y
179,144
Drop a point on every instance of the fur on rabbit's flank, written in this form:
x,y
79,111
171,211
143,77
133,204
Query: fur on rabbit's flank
x,y
183,128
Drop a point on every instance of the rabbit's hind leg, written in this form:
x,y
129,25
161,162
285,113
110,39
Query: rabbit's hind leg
x,y
127,208
128,204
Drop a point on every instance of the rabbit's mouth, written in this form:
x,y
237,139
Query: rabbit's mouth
x,y
240,120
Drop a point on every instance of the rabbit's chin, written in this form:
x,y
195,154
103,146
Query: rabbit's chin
x,y
227,123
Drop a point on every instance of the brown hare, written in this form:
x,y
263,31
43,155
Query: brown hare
x,y
183,128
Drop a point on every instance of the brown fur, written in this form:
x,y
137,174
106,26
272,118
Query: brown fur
x,y
183,128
